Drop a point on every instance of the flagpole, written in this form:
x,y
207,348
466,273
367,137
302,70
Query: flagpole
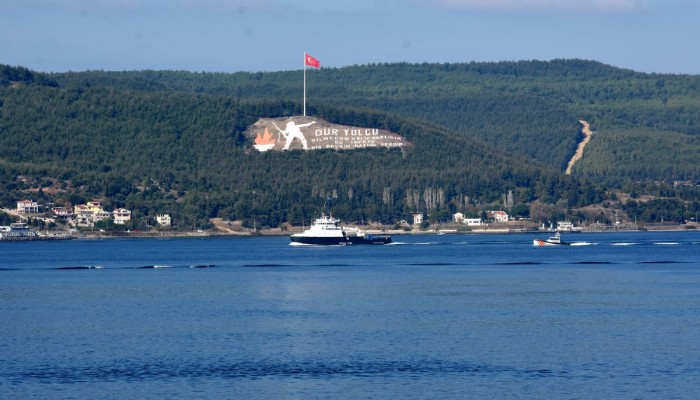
x,y
305,84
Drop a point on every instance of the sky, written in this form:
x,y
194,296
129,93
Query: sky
x,y
654,36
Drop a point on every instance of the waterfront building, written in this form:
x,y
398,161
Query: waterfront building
x,y
498,216
121,216
27,206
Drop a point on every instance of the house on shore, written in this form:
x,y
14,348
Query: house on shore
x,y
163,219
567,226
121,216
27,206
87,214
63,214
498,216
459,218
417,218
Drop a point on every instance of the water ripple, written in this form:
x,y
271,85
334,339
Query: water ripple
x,y
149,371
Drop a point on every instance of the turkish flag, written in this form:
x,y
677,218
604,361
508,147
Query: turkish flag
x,y
311,62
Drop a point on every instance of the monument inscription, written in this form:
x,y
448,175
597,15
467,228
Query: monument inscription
x,y
308,133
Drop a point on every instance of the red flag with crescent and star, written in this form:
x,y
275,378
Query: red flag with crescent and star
x,y
311,62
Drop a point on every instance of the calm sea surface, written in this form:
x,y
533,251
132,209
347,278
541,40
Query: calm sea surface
x,y
616,316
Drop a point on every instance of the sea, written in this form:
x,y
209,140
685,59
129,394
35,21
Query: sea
x,y
616,315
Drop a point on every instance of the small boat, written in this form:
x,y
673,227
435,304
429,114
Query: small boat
x,y
550,241
327,231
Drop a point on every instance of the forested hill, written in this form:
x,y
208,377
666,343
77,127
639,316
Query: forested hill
x,y
15,76
527,107
484,135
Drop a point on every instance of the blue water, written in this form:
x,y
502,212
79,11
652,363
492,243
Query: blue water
x,y
429,317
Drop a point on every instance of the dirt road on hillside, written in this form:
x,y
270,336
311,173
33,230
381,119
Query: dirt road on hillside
x,y
579,150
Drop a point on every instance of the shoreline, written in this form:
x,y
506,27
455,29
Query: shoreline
x,y
278,232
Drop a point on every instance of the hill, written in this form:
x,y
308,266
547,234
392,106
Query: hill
x,y
173,142
528,107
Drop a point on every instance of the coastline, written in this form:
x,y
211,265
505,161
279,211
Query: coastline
x,y
222,228
448,230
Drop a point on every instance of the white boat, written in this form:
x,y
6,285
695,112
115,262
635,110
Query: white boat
x,y
17,231
327,231
550,241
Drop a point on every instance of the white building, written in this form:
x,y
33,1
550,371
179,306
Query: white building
x,y
121,216
459,218
417,219
88,214
163,219
63,213
27,206
499,216
473,221
565,226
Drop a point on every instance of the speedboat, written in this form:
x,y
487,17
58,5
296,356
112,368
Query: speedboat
x,y
550,241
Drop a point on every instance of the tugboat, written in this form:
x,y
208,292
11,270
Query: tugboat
x,y
327,231
550,241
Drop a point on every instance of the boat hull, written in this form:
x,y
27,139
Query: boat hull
x,y
370,239
319,240
541,242
341,241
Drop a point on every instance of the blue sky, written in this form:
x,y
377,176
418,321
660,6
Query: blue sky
x,y
272,35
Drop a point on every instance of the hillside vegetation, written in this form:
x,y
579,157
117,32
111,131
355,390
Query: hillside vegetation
x,y
172,142
528,107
